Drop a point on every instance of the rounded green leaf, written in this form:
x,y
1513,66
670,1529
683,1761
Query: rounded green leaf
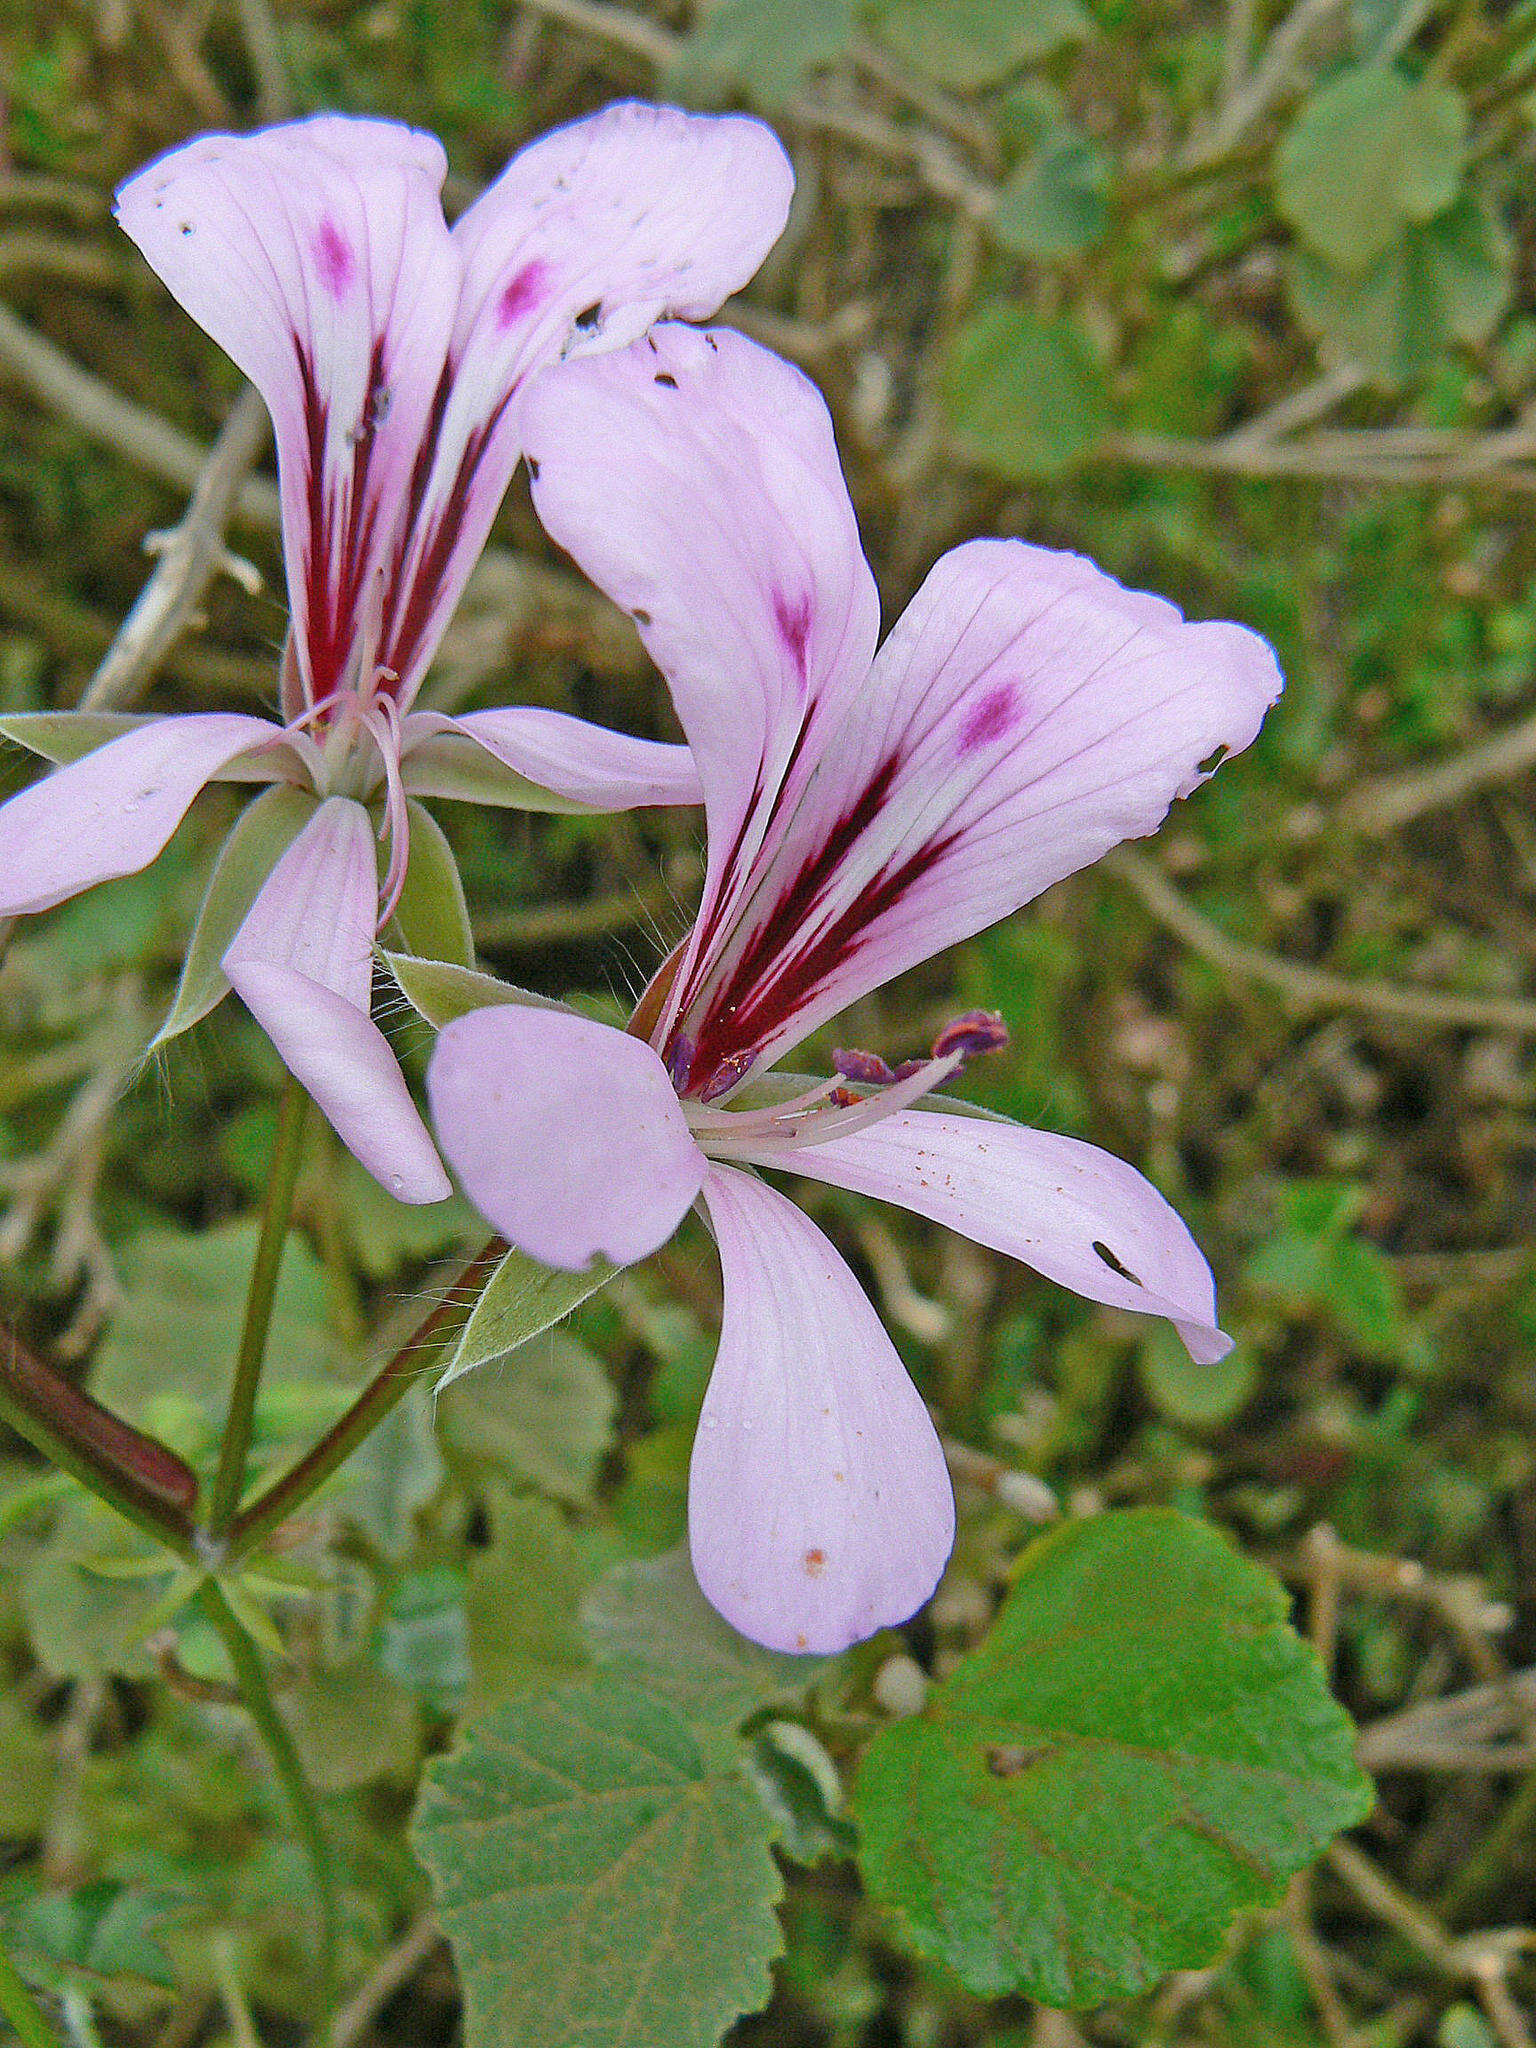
x,y
604,1875
1055,202
768,46
1141,1749
1369,153
1025,395
970,43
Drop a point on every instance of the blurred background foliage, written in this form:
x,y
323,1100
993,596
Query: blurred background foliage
x,y
1236,298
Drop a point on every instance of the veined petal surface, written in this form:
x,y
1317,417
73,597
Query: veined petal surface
x,y
1026,713
1046,1200
587,237
302,962
113,810
695,479
565,1134
819,1506
581,763
317,256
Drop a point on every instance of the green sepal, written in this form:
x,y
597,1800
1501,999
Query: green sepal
x,y
65,736
441,990
522,1299
431,917
452,765
266,829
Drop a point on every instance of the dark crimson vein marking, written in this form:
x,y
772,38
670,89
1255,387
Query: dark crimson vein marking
x,y
409,617
793,619
779,970
334,563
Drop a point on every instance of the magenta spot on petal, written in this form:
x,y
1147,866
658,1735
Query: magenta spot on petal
x,y
333,252
989,719
520,294
793,619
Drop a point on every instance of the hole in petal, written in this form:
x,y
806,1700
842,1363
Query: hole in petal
x,y
590,317
1213,760
1117,1265
665,377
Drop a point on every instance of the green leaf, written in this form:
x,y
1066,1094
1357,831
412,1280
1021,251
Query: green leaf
x,y
649,1621
107,1930
1141,1749
768,46
1025,395
264,832
65,736
431,916
543,1412
520,1604
393,1475
1055,202
1194,1396
969,43
522,1299
1369,154
441,990
351,1723
604,1875
165,1362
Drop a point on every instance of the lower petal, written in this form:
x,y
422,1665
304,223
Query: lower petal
x,y
344,1061
566,1135
112,811
819,1506
1078,1215
580,763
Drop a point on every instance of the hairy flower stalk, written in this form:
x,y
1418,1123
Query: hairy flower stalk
x,y
864,810
395,355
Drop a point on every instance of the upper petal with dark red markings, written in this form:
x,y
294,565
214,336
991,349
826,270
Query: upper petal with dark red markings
x,y
1026,714
587,237
317,256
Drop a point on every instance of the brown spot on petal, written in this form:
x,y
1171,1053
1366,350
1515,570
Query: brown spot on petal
x,y
815,1563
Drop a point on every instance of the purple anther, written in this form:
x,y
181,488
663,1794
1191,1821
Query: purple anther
x,y
867,1067
844,1098
907,1069
726,1075
972,1033
680,1061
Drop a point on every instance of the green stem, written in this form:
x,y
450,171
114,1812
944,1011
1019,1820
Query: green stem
x,y
22,2009
381,1394
259,1703
137,1475
277,1210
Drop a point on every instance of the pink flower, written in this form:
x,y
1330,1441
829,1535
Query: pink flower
x,y
864,810
394,355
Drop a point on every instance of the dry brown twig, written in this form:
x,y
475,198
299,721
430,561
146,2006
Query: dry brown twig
x,y
1313,988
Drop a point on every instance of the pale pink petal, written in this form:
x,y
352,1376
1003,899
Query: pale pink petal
x,y
581,763
1048,1201
1025,715
565,1134
302,962
317,256
819,1507
344,1061
113,810
695,479
587,237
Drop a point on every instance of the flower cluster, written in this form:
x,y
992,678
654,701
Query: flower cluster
x,y
865,805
